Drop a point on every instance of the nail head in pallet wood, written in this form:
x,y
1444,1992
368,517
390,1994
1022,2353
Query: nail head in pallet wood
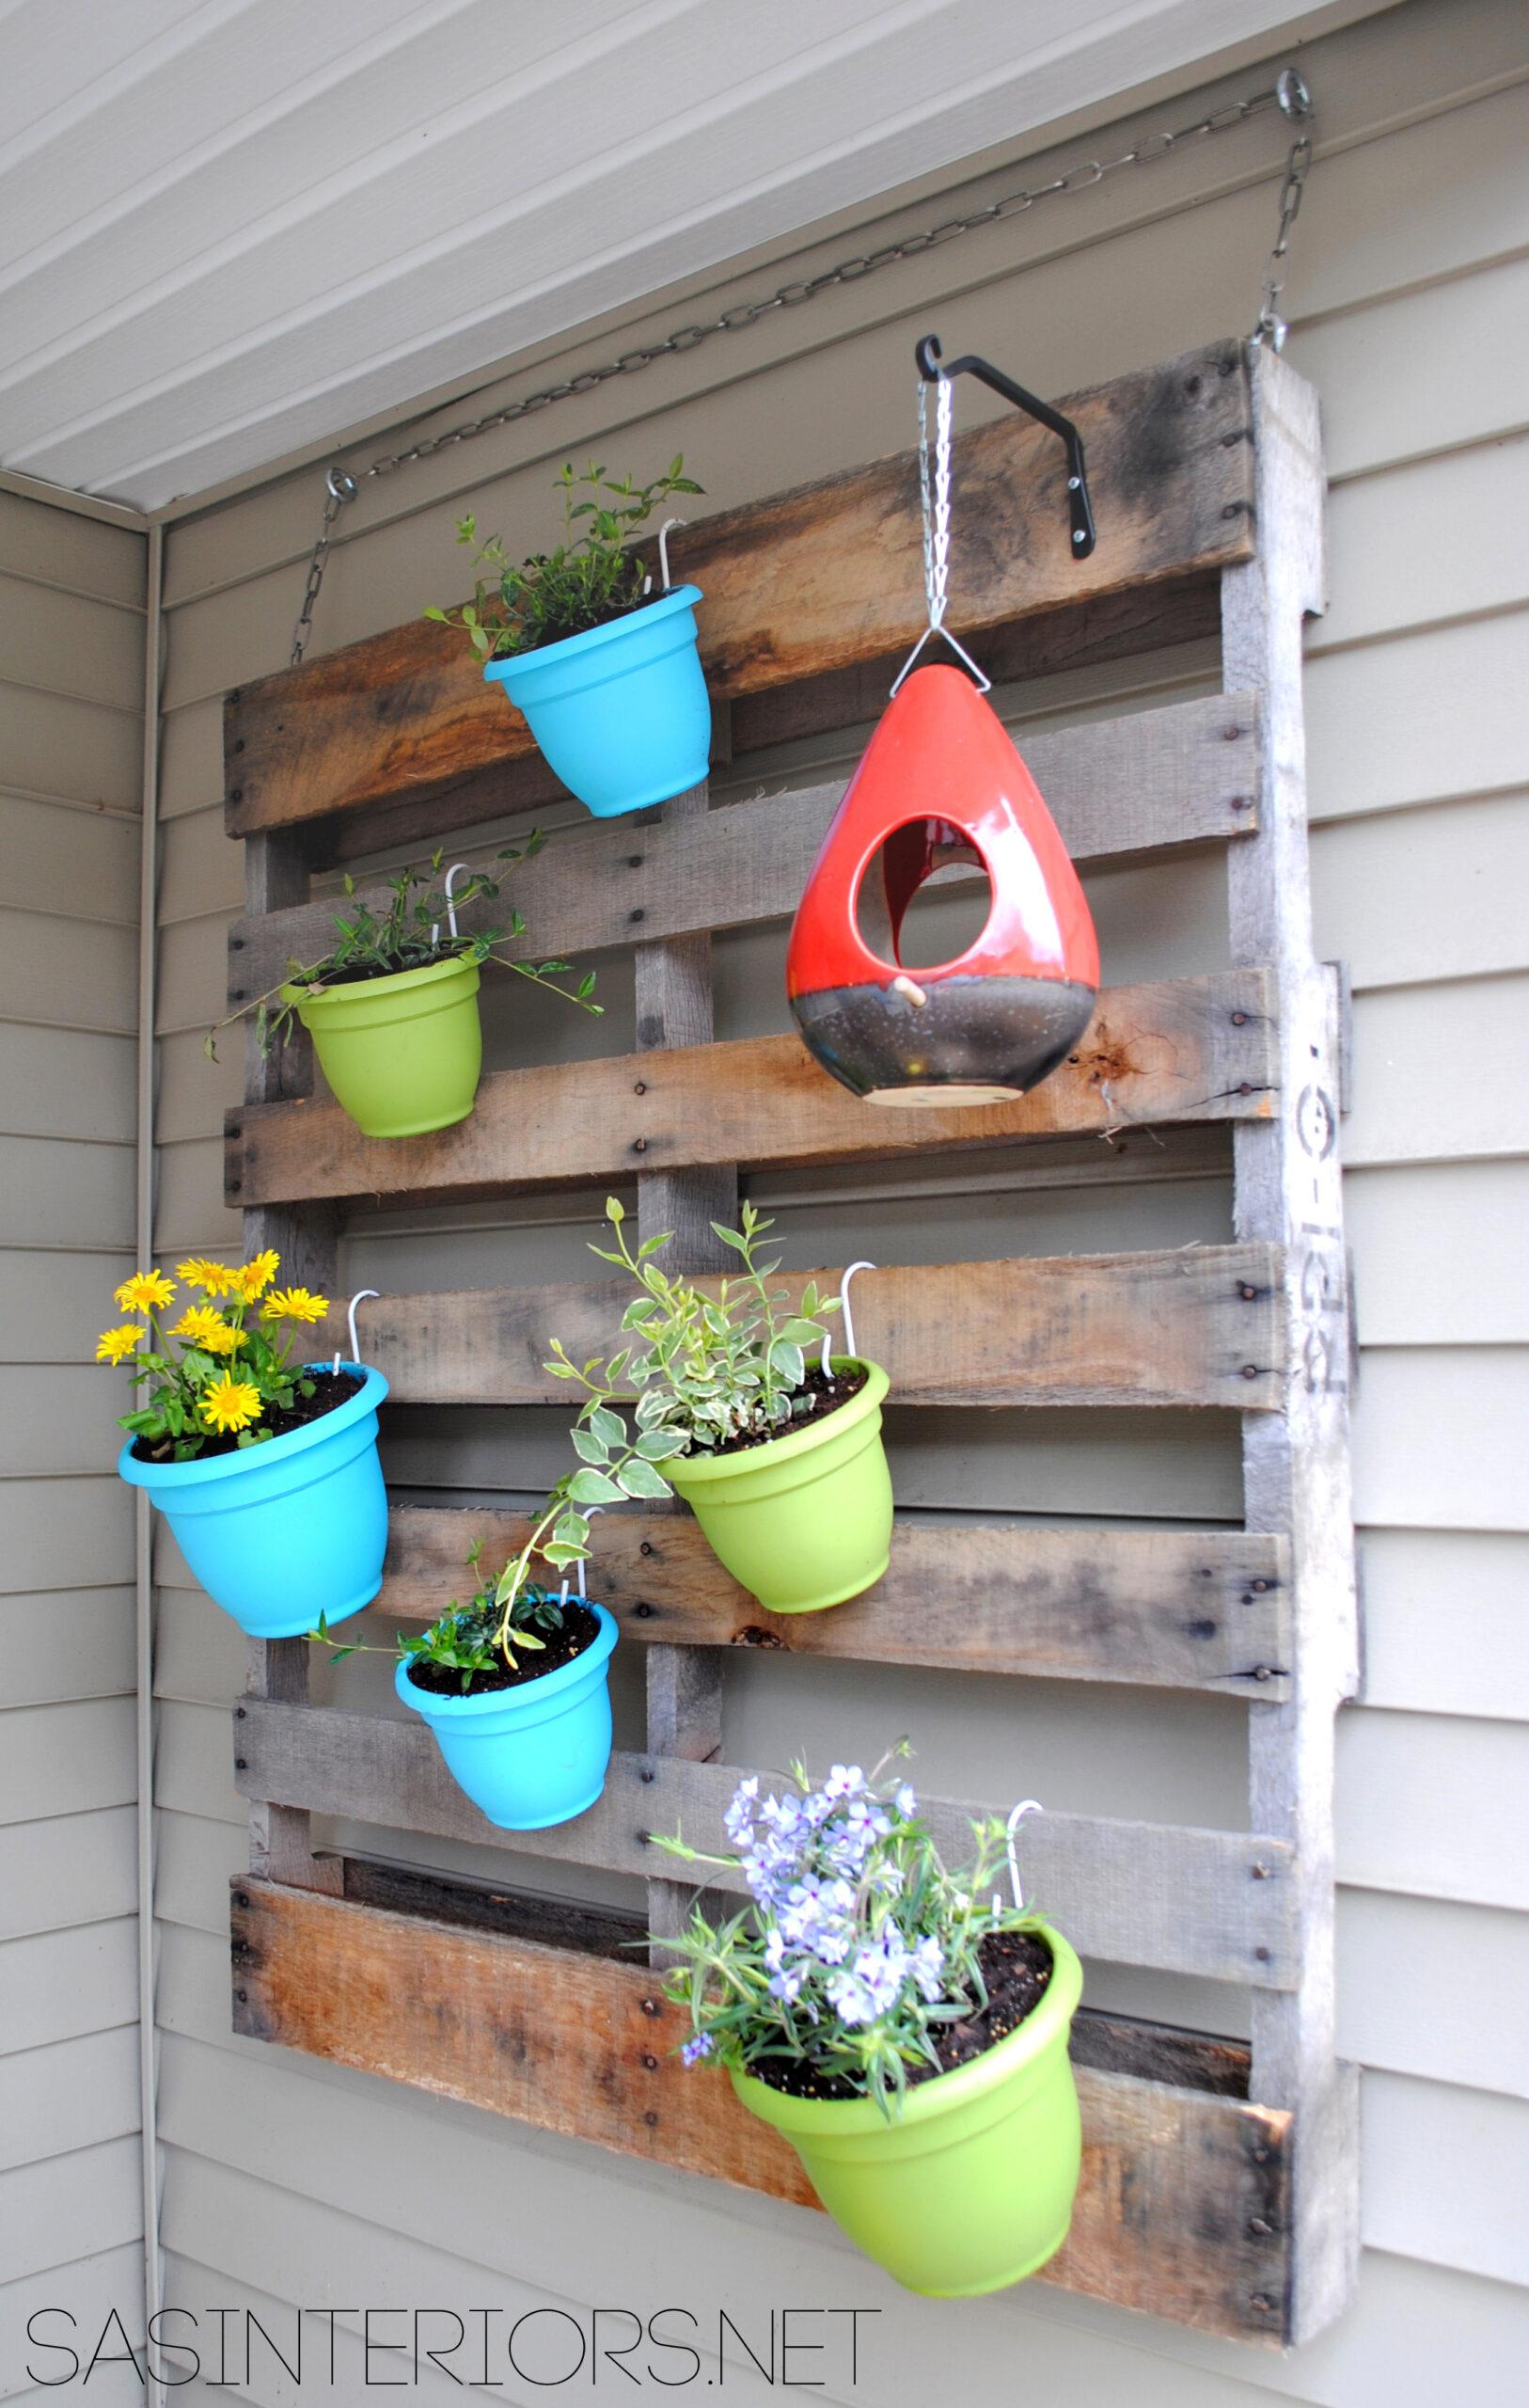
x,y
805,583
1180,2209
1157,781
1185,1901
1170,1610
1184,1049
1191,1326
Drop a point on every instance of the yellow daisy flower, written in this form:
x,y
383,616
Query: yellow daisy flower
x,y
115,1345
147,1291
228,1404
294,1303
200,1325
213,1278
257,1274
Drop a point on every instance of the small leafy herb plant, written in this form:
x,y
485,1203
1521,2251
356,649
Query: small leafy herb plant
x,y
413,933
590,578
856,1946
482,1636
709,1371
224,1368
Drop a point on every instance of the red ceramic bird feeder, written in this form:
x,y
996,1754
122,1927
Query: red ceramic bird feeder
x,y
941,782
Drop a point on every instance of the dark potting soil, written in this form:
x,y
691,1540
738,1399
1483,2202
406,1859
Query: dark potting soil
x,y
1016,1967
827,1390
357,974
580,1630
330,1388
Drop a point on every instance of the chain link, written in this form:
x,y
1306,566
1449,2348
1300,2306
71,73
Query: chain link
x,y
344,485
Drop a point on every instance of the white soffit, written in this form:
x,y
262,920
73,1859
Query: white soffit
x,y
229,228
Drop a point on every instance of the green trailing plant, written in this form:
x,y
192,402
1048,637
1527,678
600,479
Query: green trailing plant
x,y
586,581
856,1946
706,1370
413,933
473,1638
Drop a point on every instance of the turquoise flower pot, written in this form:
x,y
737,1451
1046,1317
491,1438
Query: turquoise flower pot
x,y
280,1533
620,711
534,1755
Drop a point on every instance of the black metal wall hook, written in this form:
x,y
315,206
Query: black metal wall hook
x,y
931,367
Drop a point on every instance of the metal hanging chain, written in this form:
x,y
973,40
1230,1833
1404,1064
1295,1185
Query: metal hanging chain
x,y
1294,97
935,511
343,484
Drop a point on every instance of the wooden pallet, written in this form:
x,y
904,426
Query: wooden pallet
x,y
1219,2183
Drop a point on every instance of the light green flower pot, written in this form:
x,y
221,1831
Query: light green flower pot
x,y
804,1521
971,2188
401,1054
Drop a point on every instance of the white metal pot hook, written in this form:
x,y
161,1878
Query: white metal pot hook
x,y
847,1317
1026,1806
450,907
359,1298
578,1568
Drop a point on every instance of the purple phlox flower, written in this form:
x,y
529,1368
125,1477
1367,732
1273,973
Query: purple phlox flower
x,y
927,1967
843,1781
786,1985
694,2049
737,1822
906,1803
850,1998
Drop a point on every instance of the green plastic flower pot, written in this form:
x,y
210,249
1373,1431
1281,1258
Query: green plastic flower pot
x,y
401,1054
805,1521
971,2188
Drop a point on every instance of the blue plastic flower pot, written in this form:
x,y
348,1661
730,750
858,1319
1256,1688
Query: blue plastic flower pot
x,y
284,1531
535,1754
620,712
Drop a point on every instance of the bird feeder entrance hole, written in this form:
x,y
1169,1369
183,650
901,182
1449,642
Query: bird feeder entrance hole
x,y
941,783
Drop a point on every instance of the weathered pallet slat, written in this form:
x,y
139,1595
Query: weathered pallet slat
x,y
1184,1901
1184,1049
1193,1325
1117,789
796,587
1170,1610
1180,2209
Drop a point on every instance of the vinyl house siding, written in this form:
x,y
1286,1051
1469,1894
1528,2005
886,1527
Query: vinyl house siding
x,y
289,2180
71,634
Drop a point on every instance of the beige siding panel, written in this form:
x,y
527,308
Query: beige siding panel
x,y
1410,1101
1435,1806
191,754
196,1859
79,1868
1476,2032
1443,539
63,1535
189,1211
54,1307
77,1643
67,1758
92,2287
78,750
61,1416
202,868
1439,1438
1446,1614
1425,896
199,1653
1431,2157
65,549
193,974
58,855
65,1082
66,2207
194,1762
62,1983
68,2097
1418,718
1438,1253
67,973
64,644
1371,417
61,1193
194,1093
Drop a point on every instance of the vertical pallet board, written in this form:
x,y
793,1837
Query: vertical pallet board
x,y
673,981
1237,2213
1296,1463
